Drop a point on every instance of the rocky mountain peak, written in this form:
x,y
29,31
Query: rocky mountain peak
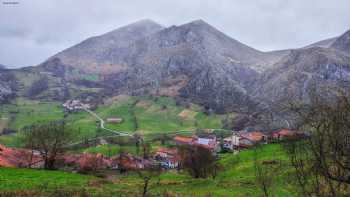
x,y
343,42
198,23
314,56
212,40
146,25
96,54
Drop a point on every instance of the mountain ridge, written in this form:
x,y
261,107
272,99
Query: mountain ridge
x,y
193,61
90,54
342,43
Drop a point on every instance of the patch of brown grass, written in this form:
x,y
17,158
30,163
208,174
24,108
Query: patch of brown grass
x,y
143,104
187,114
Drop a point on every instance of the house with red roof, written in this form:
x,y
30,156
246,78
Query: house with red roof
x,y
284,134
169,158
182,140
209,142
287,134
249,139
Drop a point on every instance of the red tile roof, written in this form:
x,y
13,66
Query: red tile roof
x,y
185,140
284,133
170,151
209,143
255,136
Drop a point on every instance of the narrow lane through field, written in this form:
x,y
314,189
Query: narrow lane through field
x,y
102,124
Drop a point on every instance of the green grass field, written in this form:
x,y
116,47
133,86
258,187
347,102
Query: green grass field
x,y
159,114
111,150
147,115
237,178
26,179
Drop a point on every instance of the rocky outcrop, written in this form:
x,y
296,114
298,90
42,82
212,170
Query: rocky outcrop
x,y
213,65
303,75
7,86
94,54
342,43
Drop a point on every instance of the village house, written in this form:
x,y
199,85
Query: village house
x,y
114,120
287,134
182,140
209,142
231,143
168,157
248,139
75,105
243,139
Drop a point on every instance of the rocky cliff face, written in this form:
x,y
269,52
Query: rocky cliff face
x,y
304,74
194,61
94,54
342,43
208,66
7,86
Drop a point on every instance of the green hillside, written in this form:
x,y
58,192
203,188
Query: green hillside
x,y
145,115
236,178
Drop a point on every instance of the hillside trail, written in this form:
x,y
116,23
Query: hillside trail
x,y
102,124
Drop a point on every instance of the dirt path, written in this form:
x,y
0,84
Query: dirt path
x,y
102,124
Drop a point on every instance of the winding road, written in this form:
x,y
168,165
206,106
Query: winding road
x,y
102,124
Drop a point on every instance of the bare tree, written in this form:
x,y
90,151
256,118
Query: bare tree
x,y
322,161
198,161
152,173
48,139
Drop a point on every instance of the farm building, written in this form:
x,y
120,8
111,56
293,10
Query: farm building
x,y
286,134
75,105
181,140
114,120
168,157
248,139
206,142
231,142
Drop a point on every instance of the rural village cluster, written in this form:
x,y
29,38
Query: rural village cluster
x,y
167,157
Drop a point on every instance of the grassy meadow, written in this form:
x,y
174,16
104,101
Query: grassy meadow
x,y
146,115
236,178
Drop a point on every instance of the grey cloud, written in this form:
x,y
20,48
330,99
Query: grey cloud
x,y
33,30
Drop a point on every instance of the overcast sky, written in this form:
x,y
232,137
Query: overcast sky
x,y
33,30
